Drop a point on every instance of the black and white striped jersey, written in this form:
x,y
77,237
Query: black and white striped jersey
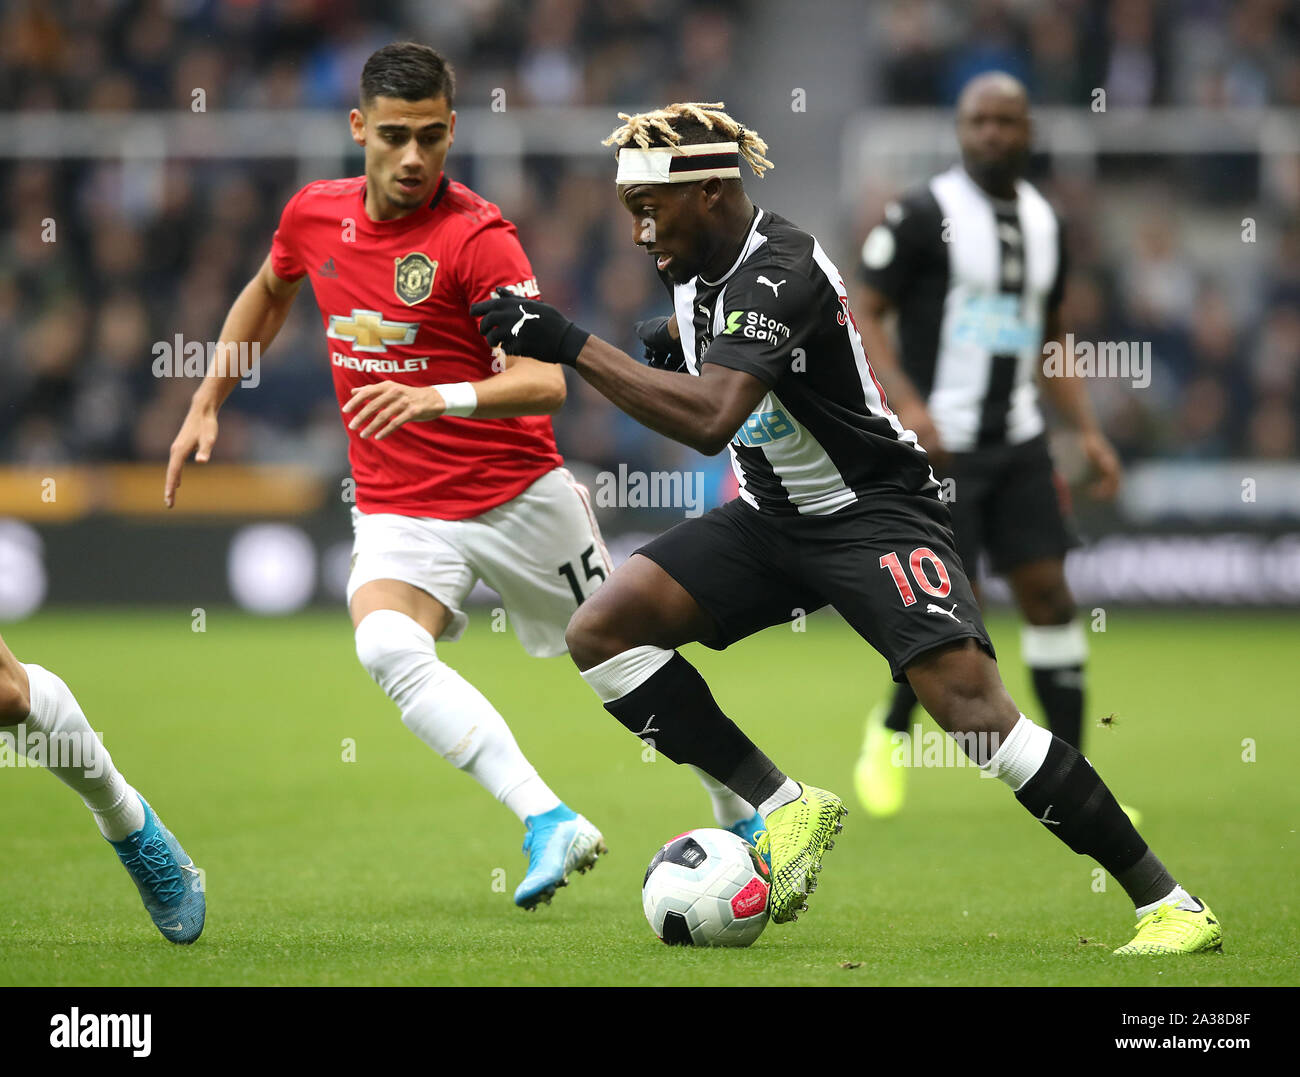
x,y
973,278
823,437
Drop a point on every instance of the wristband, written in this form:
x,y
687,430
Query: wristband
x,y
460,398
572,341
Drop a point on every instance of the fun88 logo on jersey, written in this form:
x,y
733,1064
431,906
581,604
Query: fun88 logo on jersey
x,y
763,427
994,322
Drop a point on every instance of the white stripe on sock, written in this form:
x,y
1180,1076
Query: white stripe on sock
x,y
617,676
1178,897
1021,754
1053,646
790,790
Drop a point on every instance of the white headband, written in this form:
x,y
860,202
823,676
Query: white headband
x,y
679,164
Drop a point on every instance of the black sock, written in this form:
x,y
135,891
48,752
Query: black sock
x,y
1147,881
1069,798
900,708
674,711
1060,691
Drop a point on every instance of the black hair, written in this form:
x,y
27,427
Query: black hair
x,y
408,71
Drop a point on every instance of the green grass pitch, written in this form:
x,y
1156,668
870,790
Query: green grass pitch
x,y
396,869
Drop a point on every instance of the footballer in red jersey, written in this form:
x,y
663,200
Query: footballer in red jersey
x,y
457,474
394,297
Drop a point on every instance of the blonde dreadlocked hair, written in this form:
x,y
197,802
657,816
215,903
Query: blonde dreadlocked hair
x,y
660,127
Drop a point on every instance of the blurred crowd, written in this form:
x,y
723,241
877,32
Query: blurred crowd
x,y
1210,53
1182,252
145,253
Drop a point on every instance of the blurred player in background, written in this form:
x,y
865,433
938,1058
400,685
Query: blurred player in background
x,y
838,506
457,473
40,718
973,263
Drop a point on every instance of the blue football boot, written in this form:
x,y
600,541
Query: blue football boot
x,y
168,881
748,830
558,841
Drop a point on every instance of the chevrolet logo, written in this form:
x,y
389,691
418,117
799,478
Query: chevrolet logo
x,y
369,331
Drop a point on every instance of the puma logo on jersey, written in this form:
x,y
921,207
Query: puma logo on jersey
x,y
523,317
930,607
775,287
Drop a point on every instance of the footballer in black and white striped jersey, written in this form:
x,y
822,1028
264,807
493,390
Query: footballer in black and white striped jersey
x,y
823,437
974,278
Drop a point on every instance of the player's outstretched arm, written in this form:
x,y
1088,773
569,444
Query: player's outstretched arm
x,y
255,317
703,413
523,387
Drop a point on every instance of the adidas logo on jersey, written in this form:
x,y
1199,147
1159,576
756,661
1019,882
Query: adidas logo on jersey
x,y
327,269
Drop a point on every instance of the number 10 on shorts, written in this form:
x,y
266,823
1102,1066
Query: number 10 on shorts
x,y
916,563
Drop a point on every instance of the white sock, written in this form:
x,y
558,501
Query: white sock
x,y
58,737
617,676
728,808
790,790
1054,646
448,713
1021,754
1178,897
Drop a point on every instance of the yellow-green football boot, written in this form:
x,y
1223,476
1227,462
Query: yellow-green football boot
x,y
798,835
1171,930
879,783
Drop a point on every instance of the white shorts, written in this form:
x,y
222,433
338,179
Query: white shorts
x,y
541,552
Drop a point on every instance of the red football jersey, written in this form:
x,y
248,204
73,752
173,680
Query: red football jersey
x,y
394,298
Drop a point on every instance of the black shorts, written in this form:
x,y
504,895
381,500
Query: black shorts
x,y
888,566
1006,500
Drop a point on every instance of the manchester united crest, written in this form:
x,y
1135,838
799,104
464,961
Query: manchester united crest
x,y
413,277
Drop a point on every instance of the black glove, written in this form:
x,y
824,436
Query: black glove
x,y
529,327
662,349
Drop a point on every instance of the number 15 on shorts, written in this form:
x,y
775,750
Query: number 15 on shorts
x,y
592,572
